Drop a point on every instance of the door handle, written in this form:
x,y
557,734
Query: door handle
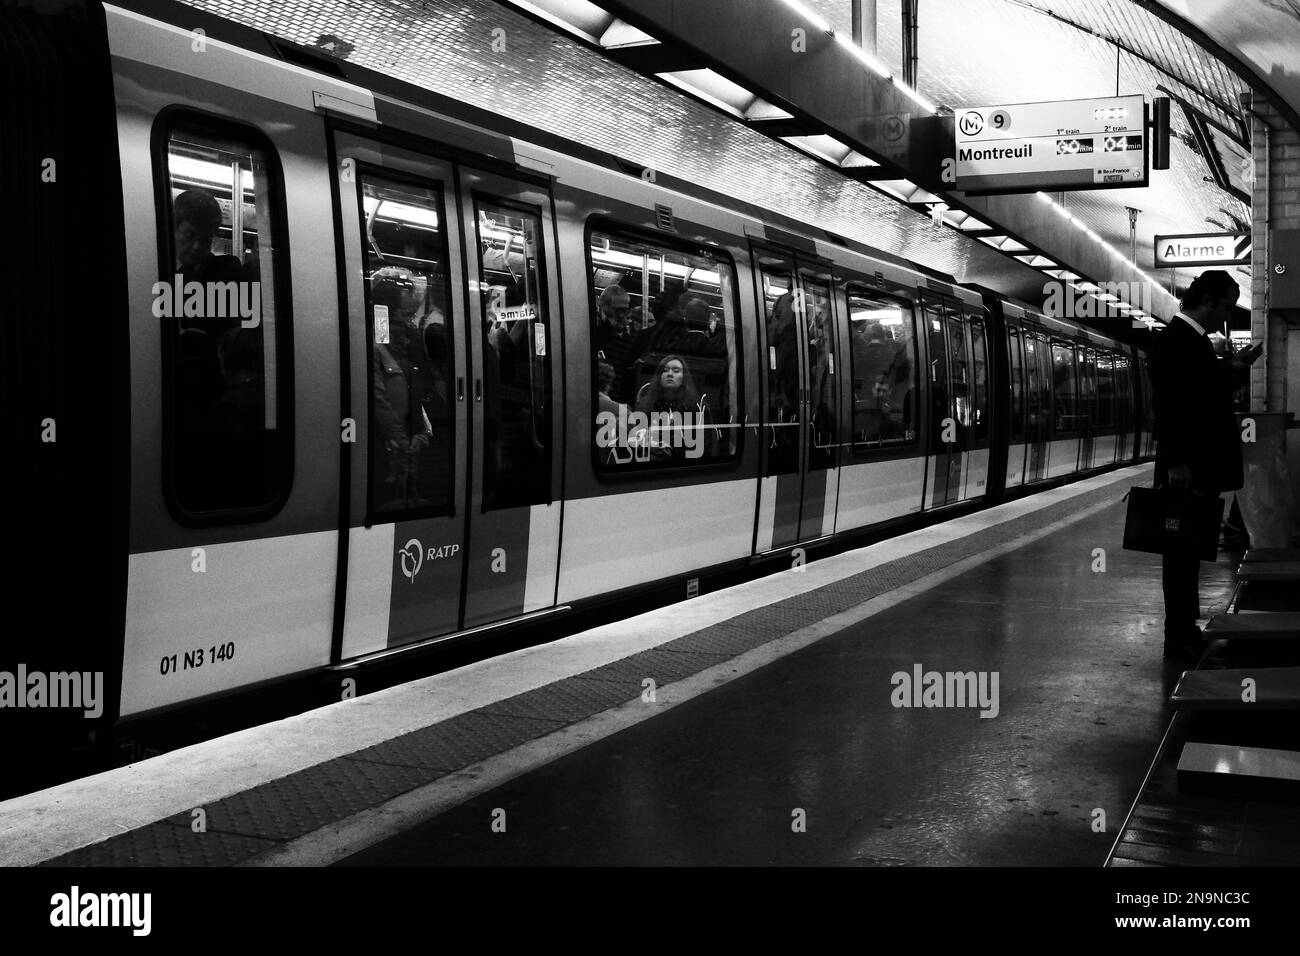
x,y
478,389
460,389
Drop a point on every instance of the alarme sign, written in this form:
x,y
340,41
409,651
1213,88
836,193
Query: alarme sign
x,y
1203,249
1071,144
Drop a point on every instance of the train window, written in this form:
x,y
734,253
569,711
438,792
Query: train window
x,y
979,379
1038,395
820,323
1087,377
1017,367
960,382
1065,388
940,403
224,304
1107,365
516,340
664,354
779,306
407,293
882,360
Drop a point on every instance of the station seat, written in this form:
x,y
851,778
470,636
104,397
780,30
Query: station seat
x,y
1273,625
1238,770
1256,555
1276,688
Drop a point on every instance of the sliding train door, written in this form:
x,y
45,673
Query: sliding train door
x,y
800,482
513,333
451,329
960,431
406,419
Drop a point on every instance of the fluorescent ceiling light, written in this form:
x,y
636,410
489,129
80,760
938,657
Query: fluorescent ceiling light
x,y
914,96
830,149
400,211
621,35
716,90
898,188
1042,262
584,20
971,224
1012,245
994,241
875,65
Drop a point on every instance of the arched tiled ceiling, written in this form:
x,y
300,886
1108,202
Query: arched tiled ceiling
x,y
1263,35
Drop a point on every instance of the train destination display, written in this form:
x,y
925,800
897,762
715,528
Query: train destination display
x,y
1071,144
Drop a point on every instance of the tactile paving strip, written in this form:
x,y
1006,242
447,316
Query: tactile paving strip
x,y
459,742
566,701
162,844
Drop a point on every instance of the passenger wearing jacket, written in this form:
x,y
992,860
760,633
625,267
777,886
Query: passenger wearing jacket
x,y
402,429
1198,445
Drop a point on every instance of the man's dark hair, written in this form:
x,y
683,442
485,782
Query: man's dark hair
x,y
1210,286
200,209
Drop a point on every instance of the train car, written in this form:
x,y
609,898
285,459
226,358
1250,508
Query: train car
x,y
342,369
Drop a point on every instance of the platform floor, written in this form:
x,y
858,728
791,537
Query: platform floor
x,y
1082,692
771,736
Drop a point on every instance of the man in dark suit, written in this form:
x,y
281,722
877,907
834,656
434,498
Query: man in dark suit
x,y
1198,445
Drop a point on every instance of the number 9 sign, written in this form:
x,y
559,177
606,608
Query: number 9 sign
x,y
1000,120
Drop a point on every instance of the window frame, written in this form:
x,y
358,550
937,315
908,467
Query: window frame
x,y
863,451
373,517
166,123
619,228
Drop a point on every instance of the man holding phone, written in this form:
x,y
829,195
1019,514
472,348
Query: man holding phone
x,y
1198,445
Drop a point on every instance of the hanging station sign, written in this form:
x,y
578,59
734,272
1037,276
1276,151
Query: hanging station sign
x,y
1203,249
1063,145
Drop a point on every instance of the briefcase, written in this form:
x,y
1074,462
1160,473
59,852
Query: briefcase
x,y
1169,521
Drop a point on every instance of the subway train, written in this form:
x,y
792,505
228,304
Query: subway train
x,y
308,367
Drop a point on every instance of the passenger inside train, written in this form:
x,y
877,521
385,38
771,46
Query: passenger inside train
x,y
664,324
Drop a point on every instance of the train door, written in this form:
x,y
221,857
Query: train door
x,y
801,451
1123,405
1016,450
513,333
1088,420
1038,405
404,336
950,398
979,409
1063,453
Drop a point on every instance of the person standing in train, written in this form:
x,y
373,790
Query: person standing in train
x,y
1198,445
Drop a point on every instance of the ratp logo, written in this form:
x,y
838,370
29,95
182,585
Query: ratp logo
x,y
411,557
